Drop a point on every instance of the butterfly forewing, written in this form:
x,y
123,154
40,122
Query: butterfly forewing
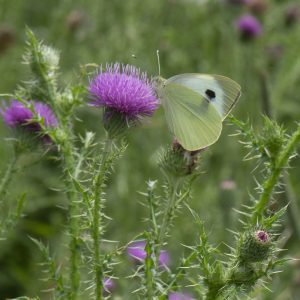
x,y
221,91
195,123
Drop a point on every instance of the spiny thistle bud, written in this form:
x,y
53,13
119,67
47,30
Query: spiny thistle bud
x,y
243,274
178,161
254,246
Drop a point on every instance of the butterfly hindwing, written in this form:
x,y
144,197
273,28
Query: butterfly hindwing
x,y
221,91
195,123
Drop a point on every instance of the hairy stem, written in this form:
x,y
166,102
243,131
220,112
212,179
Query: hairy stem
x,y
270,183
168,213
7,177
73,221
97,229
149,272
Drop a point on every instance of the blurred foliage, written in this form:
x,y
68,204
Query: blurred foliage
x,y
192,36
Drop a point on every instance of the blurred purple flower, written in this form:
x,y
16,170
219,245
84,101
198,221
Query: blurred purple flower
x,y
108,284
179,296
228,185
248,26
137,251
125,90
16,114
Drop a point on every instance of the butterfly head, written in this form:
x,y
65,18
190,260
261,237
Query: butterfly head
x,y
158,83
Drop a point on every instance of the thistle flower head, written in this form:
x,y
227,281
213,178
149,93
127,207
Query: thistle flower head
x,y
262,236
179,296
108,284
123,89
248,26
17,114
136,250
179,162
255,246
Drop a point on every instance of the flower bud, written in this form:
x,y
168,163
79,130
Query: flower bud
x,y
255,246
178,161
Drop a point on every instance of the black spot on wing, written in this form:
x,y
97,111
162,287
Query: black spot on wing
x,y
211,94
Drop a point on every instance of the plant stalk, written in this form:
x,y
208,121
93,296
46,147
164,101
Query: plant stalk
x,y
97,218
270,183
73,221
7,177
168,213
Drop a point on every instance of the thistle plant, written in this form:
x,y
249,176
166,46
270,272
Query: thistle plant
x,y
42,116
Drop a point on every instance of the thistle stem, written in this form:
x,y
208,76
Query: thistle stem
x,y
180,272
168,213
7,177
269,184
73,221
149,272
97,218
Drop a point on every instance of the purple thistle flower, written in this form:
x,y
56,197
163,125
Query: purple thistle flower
x,y
125,90
17,115
179,296
108,284
262,236
136,250
249,26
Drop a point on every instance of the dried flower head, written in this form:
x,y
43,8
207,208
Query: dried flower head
x,y
248,26
75,19
257,6
125,90
17,115
292,14
136,250
7,38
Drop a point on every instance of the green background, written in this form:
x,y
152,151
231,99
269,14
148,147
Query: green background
x,y
192,36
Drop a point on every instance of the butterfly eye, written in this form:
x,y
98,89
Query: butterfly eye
x,y
211,94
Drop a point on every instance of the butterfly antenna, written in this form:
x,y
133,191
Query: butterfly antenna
x,y
158,61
